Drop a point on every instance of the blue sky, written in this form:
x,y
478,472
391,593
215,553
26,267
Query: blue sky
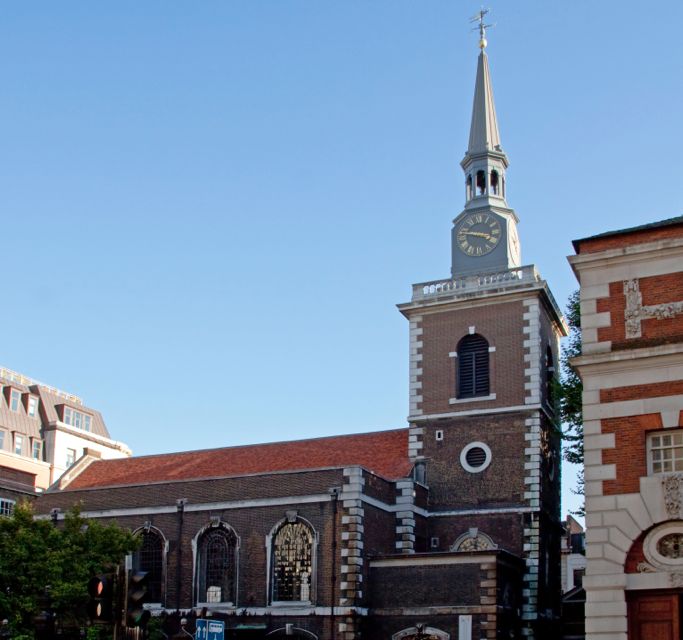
x,y
209,210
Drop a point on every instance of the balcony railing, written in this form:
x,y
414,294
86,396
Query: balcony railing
x,y
20,378
476,282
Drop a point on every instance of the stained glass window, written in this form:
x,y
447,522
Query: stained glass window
x,y
150,557
292,563
217,565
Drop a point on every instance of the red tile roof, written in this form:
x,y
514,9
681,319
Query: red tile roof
x,y
382,452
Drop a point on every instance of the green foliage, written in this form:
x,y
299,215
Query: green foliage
x,y
571,388
35,556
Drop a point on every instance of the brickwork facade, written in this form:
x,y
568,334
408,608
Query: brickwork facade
x,y
448,528
632,373
512,500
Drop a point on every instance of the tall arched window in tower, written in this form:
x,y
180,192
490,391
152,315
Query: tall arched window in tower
x,y
494,182
473,366
549,375
292,563
481,182
149,557
468,187
216,562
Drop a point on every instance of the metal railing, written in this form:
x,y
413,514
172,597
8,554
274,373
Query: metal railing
x,y
20,378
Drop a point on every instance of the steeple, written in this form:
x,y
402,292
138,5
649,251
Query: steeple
x,y
484,134
484,235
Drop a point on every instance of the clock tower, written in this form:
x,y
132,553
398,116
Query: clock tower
x,y
484,348
484,236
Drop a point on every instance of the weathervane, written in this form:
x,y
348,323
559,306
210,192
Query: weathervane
x,y
482,27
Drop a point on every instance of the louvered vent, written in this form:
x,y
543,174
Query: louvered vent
x,y
476,457
473,366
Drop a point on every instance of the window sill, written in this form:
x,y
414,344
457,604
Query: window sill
x,y
215,605
491,396
291,603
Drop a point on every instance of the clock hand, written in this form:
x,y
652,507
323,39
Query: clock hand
x,y
479,234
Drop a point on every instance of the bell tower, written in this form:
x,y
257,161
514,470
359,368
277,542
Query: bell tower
x,y
484,235
484,346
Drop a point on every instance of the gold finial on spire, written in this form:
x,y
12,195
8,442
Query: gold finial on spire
x,y
482,27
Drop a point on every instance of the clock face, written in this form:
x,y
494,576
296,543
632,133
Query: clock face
x,y
478,234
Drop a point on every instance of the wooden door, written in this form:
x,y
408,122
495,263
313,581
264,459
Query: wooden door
x,y
653,616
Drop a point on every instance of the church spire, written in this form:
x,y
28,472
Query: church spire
x,y
484,235
484,134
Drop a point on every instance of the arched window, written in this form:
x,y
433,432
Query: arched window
x,y
292,563
494,182
468,187
473,540
216,561
549,375
150,558
473,366
481,182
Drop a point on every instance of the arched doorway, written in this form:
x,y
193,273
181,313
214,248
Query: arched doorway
x,y
421,632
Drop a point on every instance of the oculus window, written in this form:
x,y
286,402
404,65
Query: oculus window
x,y
475,457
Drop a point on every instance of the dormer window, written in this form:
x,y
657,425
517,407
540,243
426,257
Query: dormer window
x,y
77,419
14,400
32,406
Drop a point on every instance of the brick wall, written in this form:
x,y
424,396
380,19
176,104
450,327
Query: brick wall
x,y
621,241
501,484
655,290
501,325
197,492
629,453
425,586
505,529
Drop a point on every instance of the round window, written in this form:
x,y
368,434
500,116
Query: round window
x,y
663,546
475,457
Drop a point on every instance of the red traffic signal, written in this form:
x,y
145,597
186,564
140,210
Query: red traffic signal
x,y
101,592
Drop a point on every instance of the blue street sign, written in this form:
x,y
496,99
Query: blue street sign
x,y
200,633
210,630
216,630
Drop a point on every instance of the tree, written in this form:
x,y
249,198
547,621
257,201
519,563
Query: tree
x,y
571,407
35,555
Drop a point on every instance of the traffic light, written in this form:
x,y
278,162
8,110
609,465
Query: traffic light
x,y
136,614
101,592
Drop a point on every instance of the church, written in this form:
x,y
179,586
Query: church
x,y
446,528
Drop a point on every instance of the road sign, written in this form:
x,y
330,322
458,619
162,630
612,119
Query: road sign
x,y
210,630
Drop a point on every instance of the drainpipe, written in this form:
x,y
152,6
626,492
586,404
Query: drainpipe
x,y
334,492
180,505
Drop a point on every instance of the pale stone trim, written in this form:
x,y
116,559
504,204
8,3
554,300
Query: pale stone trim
x,y
633,407
430,561
476,412
472,512
415,370
491,396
